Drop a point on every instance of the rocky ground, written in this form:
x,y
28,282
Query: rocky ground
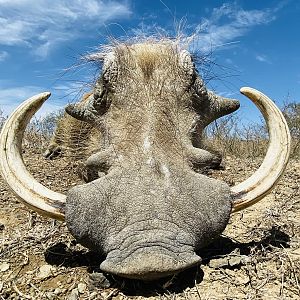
x,y
257,257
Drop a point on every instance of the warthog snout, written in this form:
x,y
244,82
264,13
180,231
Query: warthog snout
x,y
148,222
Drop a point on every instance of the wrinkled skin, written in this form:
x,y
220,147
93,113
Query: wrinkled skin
x,y
149,211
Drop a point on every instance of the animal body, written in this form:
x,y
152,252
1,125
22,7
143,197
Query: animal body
x,y
144,206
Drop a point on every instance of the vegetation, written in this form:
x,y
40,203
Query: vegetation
x,y
225,135
291,111
250,141
257,257
2,118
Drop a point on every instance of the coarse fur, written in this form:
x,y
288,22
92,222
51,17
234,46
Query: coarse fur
x,y
144,206
72,137
78,140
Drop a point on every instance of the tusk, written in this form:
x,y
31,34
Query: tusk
x,y
265,178
13,170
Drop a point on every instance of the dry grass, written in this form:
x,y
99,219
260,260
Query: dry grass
x,y
257,257
227,136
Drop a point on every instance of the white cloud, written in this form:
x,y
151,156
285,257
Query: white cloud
x,y
3,55
222,28
13,32
62,94
226,24
263,58
229,61
11,97
6,94
42,24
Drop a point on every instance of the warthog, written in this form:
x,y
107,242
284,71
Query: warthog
x,y
147,210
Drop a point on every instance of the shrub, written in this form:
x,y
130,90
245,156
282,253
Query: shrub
x,y
291,111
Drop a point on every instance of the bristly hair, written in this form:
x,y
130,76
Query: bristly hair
x,y
180,42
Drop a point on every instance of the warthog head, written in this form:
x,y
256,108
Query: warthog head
x,y
150,210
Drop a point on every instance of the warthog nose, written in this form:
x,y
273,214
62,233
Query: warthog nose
x,y
149,263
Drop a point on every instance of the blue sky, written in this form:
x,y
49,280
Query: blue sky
x,y
251,43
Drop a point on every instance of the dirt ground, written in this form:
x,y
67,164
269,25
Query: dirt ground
x,y
257,257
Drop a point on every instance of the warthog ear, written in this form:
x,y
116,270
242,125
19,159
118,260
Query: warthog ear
x,y
209,105
89,109
83,111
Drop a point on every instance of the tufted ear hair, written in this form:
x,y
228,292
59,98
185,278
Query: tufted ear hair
x,y
186,62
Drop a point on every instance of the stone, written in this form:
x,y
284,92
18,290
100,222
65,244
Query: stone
x,y
4,267
57,291
74,295
99,280
218,263
81,287
45,271
234,261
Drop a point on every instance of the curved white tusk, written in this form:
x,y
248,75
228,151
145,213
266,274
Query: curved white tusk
x,y
13,170
265,178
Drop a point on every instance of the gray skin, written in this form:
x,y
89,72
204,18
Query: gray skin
x,y
148,210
